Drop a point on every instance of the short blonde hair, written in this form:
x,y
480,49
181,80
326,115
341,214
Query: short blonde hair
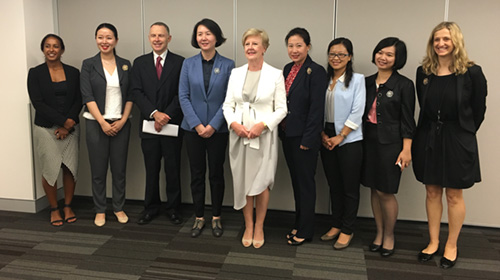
x,y
460,61
256,32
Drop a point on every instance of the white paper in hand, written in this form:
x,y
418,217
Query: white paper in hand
x,y
166,130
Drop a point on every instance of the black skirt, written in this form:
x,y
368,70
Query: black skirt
x,y
444,153
379,170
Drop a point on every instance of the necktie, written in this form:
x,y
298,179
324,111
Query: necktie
x,y
158,67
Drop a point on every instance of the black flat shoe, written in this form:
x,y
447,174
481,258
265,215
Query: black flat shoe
x,y
424,257
198,226
146,218
217,230
445,263
374,247
174,217
294,242
386,252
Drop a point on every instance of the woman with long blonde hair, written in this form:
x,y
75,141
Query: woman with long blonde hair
x,y
451,92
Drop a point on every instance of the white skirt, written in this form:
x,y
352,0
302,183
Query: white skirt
x,y
253,169
52,153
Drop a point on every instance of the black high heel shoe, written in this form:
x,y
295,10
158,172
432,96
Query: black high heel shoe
x,y
446,263
294,242
424,257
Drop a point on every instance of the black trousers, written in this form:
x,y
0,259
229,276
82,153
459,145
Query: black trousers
x,y
342,167
302,166
198,149
154,149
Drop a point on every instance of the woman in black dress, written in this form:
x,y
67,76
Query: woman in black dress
x,y
389,126
451,92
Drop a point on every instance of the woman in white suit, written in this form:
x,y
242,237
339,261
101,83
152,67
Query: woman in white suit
x,y
255,104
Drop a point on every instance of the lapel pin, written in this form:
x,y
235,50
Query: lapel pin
x,y
124,67
216,70
389,94
425,81
309,71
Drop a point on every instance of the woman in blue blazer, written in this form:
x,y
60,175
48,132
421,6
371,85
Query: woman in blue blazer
x,y
342,151
54,90
300,131
202,90
104,83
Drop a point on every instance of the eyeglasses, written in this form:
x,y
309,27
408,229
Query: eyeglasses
x,y
338,55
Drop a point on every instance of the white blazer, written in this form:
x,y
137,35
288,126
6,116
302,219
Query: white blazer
x,y
270,102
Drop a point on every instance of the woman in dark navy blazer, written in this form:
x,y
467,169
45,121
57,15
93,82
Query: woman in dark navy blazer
x,y
202,90
451,91
104,84
389,126
54,90
300,131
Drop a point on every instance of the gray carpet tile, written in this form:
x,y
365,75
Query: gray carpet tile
x,y
30,248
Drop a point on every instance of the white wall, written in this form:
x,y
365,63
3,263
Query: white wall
x,y
365,22
23,23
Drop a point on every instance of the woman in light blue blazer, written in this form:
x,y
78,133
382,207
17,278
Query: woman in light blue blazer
x,y
342,151
202,90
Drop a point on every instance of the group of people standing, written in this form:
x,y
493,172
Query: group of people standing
x,y
363,129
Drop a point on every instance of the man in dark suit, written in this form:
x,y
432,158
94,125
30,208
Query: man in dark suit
x,y
155,86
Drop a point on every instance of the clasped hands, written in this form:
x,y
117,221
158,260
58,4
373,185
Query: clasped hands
x,y
331,142
254,132
112,129
62,132
161,119
204,131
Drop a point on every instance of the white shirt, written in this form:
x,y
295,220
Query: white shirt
x,y
330,100
113,101
162,62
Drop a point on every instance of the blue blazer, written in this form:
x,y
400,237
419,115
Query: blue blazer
x,y
199,106
349,106
93,81
306,103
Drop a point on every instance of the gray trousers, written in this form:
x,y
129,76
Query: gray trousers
x,y
107,151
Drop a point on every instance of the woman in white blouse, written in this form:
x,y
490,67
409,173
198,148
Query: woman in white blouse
x,y
104,83
255,104
342,151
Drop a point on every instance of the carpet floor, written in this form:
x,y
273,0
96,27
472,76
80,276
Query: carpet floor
x,y
30,248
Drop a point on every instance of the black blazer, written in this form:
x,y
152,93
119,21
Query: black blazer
x,y
43,97
471,92
152,94
395,107
306,103
93,81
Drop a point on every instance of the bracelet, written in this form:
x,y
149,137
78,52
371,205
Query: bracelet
x,y
342,135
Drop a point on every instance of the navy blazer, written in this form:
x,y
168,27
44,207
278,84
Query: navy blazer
x,y
471,93
395,107
42,95
306,103
151,94
199,106
93,81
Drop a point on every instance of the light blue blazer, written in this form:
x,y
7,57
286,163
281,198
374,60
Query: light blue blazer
x,y
349,106
198,106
